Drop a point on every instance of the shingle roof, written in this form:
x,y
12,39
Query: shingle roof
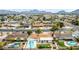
x,y
17,34
64,36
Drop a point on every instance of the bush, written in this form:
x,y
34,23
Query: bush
x,y
2,44
11,39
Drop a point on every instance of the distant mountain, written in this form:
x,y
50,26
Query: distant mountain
x,y
35,11
7,12
62,12
76,12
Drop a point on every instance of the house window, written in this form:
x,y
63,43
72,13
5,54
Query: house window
x,y
42,41
37,40
47,41
50,41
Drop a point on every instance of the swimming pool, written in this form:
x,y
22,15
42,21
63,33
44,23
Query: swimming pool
x,y
31,43
15,45
72,43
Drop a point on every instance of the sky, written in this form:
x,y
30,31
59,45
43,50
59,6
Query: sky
x,y
47,5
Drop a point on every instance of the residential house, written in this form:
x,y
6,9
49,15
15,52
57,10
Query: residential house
x,y
42,25
45,37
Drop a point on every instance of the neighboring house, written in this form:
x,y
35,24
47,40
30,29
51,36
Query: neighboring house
x,y
26,26
16,35
11,24
42,25
65,33
15,24
64,36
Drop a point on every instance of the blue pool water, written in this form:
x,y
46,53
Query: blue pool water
x,y
72,43
15,45
31,44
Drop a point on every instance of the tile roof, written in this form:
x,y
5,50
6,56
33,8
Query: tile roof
x,y
36,36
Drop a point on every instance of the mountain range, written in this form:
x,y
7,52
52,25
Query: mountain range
x,y
35,11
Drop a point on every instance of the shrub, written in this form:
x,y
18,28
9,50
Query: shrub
x,y
2,44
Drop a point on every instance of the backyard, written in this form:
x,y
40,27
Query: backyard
x,y
61,45
43,46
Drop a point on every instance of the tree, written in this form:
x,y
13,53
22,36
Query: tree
x,y
18,39
32,22
38,31
1,18
11,17
2,44
75,22
22,17
53,29
29,32
59,24
44,18
77,39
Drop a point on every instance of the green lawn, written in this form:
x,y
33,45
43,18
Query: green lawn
x,y
2,44
61,43
41,46
11,39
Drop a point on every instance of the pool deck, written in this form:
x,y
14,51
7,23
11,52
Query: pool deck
x,y
65,43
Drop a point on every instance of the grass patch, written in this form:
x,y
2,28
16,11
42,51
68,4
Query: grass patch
x,y
41,46
11,39
2,44
61,43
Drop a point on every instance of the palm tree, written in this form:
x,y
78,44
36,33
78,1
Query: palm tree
x,y
53,29
38,31
29,32
59,24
